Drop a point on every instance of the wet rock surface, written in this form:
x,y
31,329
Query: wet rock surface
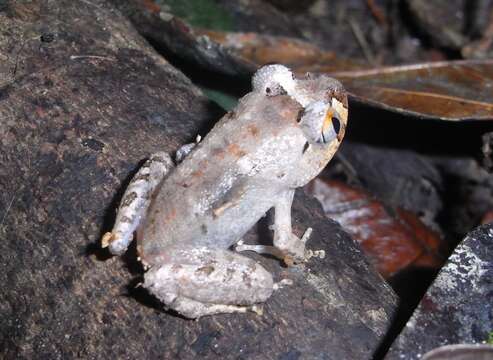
x,y
457,308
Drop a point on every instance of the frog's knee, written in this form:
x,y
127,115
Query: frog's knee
x,y
161,283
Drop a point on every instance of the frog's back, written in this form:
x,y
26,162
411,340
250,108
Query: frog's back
x,y
216,194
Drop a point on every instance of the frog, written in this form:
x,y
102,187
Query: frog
x,y
189,214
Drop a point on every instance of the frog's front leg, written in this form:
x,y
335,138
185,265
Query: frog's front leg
x,y
287,246
205,281
186,149
135,202
291,246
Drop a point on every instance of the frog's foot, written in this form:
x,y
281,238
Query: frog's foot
x,y
292,246
186,149
283,283
260,249
288,258
314,254
135,202
207,281
308,254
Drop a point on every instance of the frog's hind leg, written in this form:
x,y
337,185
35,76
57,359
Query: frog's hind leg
x,y
135,202
210,281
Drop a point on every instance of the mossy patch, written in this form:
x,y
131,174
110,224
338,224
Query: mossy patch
x,y
224,100
204,14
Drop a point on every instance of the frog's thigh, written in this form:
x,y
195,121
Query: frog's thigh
x,y
210,281
136,200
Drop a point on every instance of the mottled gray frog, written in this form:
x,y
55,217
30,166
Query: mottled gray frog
x,y
188,217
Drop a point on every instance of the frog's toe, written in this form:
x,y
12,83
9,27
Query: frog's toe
x,y
314,254
283,283
107,239
115,242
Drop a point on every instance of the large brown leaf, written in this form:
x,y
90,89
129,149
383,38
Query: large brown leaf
x,y
456,90
263,49
448,90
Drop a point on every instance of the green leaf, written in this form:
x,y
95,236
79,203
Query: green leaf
x,y
204,14
224,100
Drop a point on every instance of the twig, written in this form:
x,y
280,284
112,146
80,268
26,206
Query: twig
x,y
16,64
8,208
90,3
353,74
377,13
360,38
480,48
351,172
75,57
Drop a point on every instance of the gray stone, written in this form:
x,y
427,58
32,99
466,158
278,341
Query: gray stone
x,y
458,307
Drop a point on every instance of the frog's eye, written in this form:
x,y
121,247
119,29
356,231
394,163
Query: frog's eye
x,y
320,123
336,123
274,90
331,127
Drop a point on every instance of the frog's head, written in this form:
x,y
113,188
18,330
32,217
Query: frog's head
x,y
273,80
324,100
325,116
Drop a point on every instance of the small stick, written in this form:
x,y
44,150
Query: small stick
x,y
75,57
360,38
377,12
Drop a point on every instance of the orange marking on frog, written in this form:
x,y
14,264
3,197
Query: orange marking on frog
x,y
218,153
197,173
235,150
327,120
170,217
253,130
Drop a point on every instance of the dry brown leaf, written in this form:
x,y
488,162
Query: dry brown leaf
x,y
455,90
392,242
265,49
448,90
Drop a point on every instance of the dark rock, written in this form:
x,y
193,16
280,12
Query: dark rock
x,y
468,193
177,40
461,352
399,177
292,5
457,307
442,21
487,150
